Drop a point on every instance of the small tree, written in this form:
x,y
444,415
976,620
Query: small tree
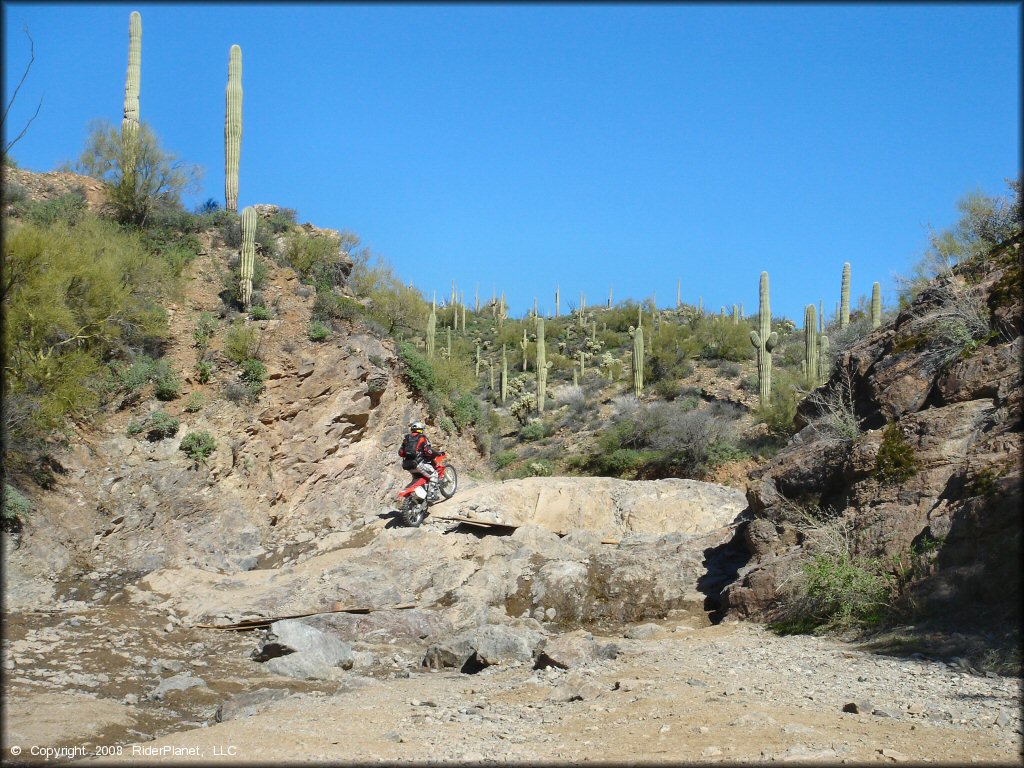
x,y
157,178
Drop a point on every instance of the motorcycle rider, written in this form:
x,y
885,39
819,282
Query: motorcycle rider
x,y
418,455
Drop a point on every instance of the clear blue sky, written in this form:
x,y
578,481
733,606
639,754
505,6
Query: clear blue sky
x,y
524,146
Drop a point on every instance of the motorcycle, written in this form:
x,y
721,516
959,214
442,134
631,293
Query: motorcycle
x,y
415,499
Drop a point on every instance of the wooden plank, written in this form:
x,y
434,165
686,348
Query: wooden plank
x,y
266,622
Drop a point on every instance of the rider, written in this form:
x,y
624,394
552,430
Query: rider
x,y
417,455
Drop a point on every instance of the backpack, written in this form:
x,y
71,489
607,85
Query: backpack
x,y
410,451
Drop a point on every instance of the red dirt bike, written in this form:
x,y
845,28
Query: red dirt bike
x,y
415,499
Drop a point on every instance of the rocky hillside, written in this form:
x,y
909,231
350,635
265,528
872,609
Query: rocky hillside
x,y
931,465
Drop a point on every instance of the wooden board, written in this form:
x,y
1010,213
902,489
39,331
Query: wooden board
x,y
266,622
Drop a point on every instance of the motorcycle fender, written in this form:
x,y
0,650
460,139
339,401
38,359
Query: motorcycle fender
x,y
420,492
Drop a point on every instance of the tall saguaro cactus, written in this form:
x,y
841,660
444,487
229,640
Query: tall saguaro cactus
x,y
542,367
523,344
679,294
876,305
431,329
232,128
132,87
823,359
248,254
557,297
638,356
810,363
844,297
764,341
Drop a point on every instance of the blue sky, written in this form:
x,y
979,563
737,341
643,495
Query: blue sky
x,y
517,147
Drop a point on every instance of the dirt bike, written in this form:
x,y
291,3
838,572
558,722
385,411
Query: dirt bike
x,y
415,499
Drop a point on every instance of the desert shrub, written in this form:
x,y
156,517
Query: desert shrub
x,y
952,324
253,373
204,371
329,305
157,178
16,508
137,374
418,371
198,445
134,427
573,396
534,430
840,341
834,418
465,411
504,458
835,588
239,392
241,342
231,281
194,402
167,384
896,460
730,369
667,389
76,300
66,209
160,425
260,313
780,412
318,331
13,192
206,326
316,258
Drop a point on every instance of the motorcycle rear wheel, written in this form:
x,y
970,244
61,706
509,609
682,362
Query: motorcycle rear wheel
x,y
413,512
449,483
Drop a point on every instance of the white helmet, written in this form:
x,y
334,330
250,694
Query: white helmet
x,y
417,426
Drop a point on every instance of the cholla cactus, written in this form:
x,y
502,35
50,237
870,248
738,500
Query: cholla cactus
x,y
764,342
233,128
431,328
132,87
248,254
876,305
810,362
844,297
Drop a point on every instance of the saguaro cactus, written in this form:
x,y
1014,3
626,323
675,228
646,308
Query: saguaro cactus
x,y
431,329
448,333
764,342
638,356
876,305
542,367
132,87
504,374
557,296
679,294
523,345
844,297
233,128
810,363
478,359
735,315
248,254
609,297
583,357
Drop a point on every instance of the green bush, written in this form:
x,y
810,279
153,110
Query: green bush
x,y
534,430
194,402
260,313
206,326
167,385
16,507
204,371
316,258
896,460
135,427
241,342
503,459
198,445
418,370
318,331
137,375
836,591
465,411
67,209
160,425
329,305
253,374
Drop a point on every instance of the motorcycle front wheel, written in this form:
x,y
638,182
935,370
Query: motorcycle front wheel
x,y
413,512
449,483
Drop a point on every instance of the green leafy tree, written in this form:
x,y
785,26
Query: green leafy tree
x,y
137,185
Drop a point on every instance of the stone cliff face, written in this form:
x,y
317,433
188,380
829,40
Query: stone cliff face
x,y
951,422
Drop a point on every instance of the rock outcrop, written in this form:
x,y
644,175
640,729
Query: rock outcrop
x,y
938,462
